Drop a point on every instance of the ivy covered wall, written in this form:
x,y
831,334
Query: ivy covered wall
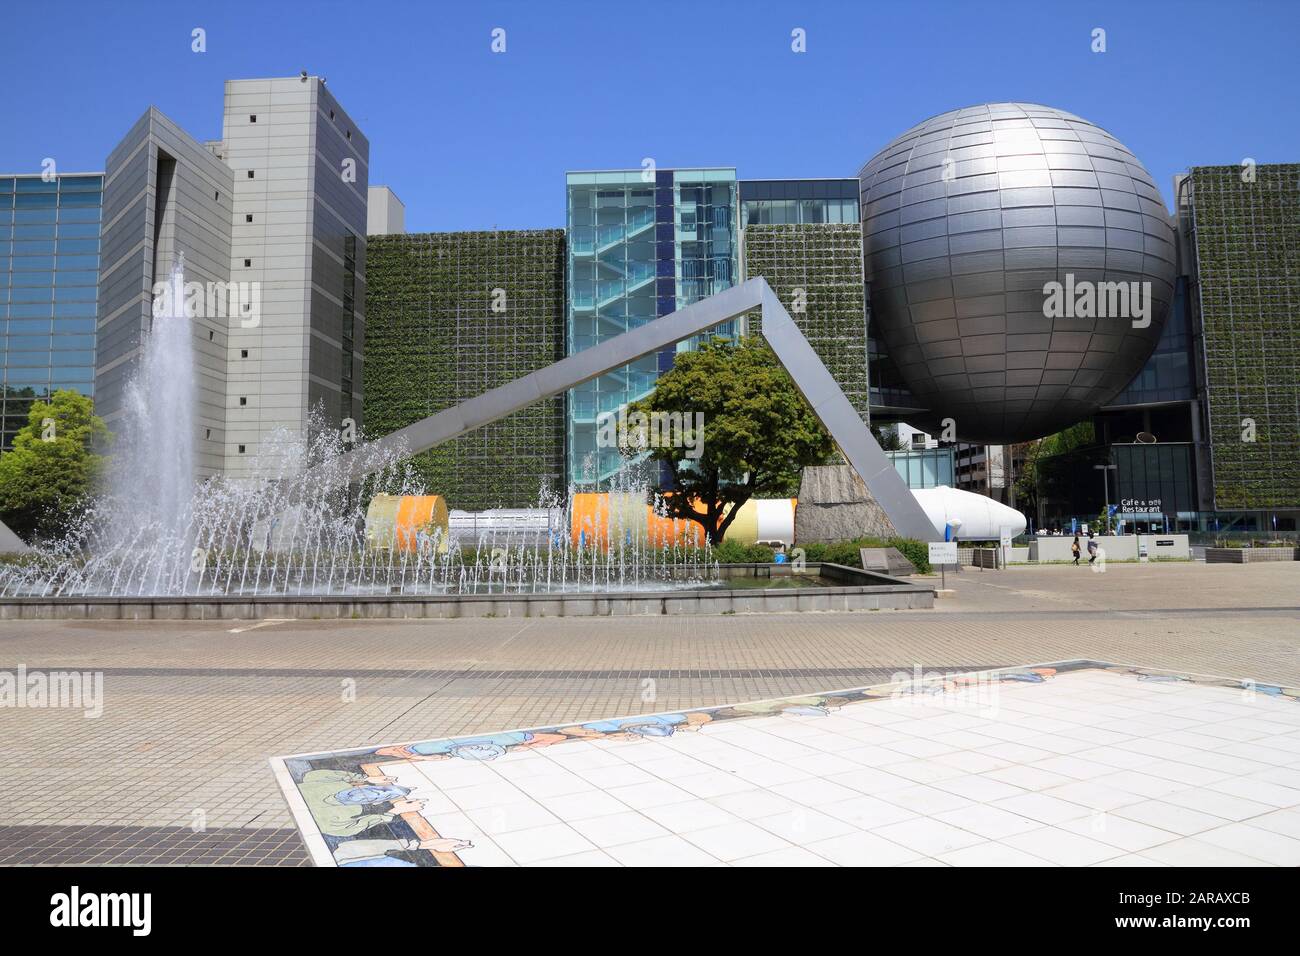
x,y
450,316
1247,246
825,261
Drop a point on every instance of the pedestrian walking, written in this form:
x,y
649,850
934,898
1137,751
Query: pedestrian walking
x,y
1074,549
1092,550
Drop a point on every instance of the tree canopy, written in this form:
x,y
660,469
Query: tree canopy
x,y
748,431
53,467
1049,464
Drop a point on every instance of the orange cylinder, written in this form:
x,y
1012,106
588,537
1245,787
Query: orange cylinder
x,y
591,513
403,522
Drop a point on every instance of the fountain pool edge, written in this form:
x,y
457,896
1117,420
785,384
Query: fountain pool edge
x,y
854,590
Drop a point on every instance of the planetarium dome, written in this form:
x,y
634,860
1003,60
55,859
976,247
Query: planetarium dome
x,y
969,220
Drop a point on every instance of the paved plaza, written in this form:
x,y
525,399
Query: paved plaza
x,y
176,769
1073,763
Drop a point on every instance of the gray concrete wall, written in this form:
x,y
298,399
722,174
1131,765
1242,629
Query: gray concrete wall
x,y
301,208
385,213
1118,547
478,605
853,590
164,193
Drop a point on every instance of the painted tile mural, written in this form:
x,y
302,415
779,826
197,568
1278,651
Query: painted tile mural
x,y
387,806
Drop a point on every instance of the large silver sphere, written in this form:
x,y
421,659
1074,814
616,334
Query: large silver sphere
x,y
966,220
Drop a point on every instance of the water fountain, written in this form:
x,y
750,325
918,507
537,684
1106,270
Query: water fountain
x,y
156,532
294,536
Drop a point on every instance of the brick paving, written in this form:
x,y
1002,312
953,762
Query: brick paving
x,y
192,710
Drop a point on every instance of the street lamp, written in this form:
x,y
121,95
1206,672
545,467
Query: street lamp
x,y
1105,481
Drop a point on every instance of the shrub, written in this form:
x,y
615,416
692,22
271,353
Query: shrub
x,y
848,553
733,552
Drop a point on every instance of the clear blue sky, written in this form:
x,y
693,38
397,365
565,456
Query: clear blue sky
x,y
470,139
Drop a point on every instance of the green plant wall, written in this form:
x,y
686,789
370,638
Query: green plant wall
x,y
438,332
1247,247
824,260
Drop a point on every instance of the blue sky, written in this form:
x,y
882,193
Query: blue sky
x,y
470,139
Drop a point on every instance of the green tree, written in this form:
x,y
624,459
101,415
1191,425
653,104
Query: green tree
x,y
758,431
887,437
53,467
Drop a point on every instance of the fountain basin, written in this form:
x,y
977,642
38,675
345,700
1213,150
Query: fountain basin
x,y
824,587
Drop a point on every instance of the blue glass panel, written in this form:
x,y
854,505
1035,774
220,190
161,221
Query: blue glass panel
x,y
78,183
64,324
36,201
78,215
76,230
37,185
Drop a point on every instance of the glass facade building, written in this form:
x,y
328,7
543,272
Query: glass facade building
x,y
791,202
1168,375
1154,483
925,467
49,271
642,244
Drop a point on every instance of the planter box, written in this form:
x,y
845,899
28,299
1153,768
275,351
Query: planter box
x,y
1250,555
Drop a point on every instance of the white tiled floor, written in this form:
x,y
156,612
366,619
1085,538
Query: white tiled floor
x,y
1087,768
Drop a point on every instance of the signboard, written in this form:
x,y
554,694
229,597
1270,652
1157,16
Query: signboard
x,y
1005,540
995,462
1141,504
943,552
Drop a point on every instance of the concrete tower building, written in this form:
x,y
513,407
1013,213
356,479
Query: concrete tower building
x,y
298,227
273,218
164,194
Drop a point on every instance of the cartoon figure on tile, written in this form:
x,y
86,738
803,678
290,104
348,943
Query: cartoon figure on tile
x,y
489,747
376,852
338,800
1036,675
791,706
636,728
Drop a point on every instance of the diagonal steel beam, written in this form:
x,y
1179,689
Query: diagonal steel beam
x,y
816,384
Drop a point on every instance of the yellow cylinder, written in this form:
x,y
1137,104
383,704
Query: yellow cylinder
x,y
593,513
403,522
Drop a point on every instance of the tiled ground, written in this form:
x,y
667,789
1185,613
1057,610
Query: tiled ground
x,y
1071,766
150,846
192,710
